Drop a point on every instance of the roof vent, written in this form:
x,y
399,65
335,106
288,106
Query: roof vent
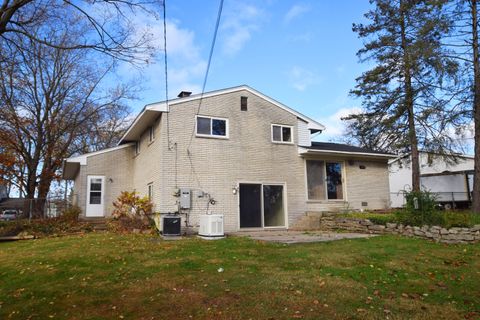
x,y
184,94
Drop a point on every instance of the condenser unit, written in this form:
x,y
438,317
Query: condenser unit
x,y
171,225
211,226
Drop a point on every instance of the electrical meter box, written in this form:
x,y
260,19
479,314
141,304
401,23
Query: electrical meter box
x,y
185,198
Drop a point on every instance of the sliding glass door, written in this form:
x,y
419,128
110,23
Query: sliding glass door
x,y
261,205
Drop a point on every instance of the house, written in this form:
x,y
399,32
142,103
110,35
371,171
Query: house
x,y
450,178
235,152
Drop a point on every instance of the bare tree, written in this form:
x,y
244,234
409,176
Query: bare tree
x,y
107,25
49,97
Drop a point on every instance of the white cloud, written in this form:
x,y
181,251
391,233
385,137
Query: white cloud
x,y
302,78
239,22
186,67
334,126
294,12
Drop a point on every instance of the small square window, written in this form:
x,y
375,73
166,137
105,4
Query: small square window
x,y
282,134
243,103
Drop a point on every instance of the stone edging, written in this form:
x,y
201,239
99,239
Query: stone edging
x,y
438,234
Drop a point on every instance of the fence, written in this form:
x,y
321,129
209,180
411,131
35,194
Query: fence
x,y
449,200
35,208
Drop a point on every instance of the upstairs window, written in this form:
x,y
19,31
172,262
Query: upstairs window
x,y
150,191
282,134
212,127
151,134
137,147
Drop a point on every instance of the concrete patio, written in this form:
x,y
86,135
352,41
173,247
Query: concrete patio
x,y
289,237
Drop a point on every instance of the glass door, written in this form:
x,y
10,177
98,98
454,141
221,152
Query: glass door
x,y
261,205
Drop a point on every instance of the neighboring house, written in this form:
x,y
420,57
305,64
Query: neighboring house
x,y
449,178
234,152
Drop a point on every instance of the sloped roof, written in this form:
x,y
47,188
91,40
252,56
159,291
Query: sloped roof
x,y
144,118
339,148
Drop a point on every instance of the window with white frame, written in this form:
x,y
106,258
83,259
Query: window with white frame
x,y
211,127
151,133
150,191
324,180
282,134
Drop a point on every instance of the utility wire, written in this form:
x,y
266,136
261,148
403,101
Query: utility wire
x,y
219,15
189,153
166,68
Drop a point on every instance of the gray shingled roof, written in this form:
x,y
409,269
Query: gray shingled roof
x,y
330,146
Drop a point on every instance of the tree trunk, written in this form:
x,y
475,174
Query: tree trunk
x,y
476,108
412,133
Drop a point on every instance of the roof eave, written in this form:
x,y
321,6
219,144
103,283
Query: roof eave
x,y
304,151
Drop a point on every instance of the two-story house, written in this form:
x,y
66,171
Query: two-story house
x,y
238,153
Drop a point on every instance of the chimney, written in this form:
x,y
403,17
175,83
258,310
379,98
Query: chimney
x,y
184,94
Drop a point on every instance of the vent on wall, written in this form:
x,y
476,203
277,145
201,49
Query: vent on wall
x,y
243,103
364,203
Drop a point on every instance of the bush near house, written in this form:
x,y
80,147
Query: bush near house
x,y
131,212
421,210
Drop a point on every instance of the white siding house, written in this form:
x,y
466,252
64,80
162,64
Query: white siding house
x,y
450,178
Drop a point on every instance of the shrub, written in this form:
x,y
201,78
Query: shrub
x,y
420,210
71,213
463,219
376,218
131,212
129,204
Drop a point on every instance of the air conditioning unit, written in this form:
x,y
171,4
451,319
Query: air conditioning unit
x,y
171,225
211,226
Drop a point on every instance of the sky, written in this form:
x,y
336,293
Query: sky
x,y
301,53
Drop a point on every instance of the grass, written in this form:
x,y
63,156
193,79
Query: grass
x,y
110,276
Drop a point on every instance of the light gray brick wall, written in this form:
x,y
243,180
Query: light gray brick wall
x,y
147,165
216,166
116,166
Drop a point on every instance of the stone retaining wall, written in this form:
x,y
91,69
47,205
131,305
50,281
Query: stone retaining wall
x,y
438,234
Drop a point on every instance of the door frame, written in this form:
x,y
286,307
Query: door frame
x,y
102,199
262,183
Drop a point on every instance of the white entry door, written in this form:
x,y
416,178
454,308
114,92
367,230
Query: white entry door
x,y
95,196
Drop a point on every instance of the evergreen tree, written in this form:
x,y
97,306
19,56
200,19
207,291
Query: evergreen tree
x,y
402,93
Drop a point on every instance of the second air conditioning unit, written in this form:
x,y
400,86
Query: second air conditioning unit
x,y
211,226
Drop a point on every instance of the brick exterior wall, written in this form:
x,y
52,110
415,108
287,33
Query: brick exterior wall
x,y
116,166
216,166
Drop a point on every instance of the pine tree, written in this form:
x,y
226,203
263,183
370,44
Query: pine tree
x,y
402,93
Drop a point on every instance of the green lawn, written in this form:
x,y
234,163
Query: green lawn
x,y
110,276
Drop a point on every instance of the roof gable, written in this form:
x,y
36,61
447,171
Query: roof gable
x,y
142,121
